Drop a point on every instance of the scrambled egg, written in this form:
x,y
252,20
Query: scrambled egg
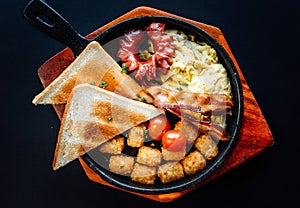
x,y
195,68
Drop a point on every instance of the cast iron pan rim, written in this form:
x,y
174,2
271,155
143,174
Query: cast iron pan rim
x,y
235,81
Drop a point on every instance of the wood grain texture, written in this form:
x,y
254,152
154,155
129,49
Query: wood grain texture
x,y
255,135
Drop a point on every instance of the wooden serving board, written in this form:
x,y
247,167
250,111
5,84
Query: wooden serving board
x,y
255,135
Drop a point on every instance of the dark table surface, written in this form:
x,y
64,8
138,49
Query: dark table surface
x,y
264,38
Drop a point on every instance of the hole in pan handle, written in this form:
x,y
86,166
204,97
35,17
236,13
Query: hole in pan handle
x,y
50,22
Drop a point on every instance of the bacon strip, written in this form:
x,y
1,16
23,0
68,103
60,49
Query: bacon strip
x,y
204,126
191,106
197,102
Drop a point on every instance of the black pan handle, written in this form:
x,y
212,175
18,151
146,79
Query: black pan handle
x,y
50,22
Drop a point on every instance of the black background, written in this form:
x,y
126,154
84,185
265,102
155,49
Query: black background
x,y
264,38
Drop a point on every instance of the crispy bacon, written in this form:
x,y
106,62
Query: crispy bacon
x,y
203,125
192,106
200,103
161,59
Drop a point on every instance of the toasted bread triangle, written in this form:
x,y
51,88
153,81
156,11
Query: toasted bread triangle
x,y
93,116
93,66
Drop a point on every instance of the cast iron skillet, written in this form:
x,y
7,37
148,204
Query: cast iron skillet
x,y
47,20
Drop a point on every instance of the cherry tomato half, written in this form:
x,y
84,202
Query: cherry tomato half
x,y
157,127
173,140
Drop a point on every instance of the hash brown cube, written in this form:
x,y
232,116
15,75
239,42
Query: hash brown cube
x,y
113,146
149,156
143,174
207,146
170,171
121,164
171,155
136,136
188,129
193,162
